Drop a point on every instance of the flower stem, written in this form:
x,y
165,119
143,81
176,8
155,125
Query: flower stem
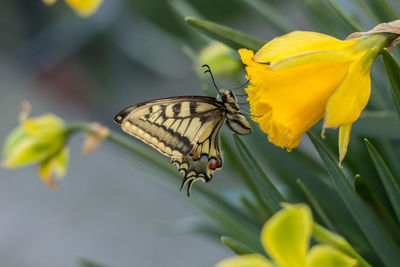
x,y
153,158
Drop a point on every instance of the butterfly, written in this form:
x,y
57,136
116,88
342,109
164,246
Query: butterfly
x,y
186,129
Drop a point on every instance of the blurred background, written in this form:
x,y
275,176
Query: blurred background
x,y
107,209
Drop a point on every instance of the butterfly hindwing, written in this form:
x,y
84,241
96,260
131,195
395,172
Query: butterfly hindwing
x,y
205,157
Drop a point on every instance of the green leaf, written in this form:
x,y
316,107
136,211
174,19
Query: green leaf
x,y
378,124
323,21
391,155
268,192
236,246
232,157
230,37
270,14
352,23
325,236
316,206
190,225
88,263
391,186
219,201
383,213
258,212
393,73
233,227
302,164
382,10
383,245
183,9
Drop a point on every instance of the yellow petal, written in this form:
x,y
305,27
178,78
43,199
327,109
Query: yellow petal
x,y
16,136
311,57
47,126
84,8
287,102
287,234
55,166
327,256
347,102
27,151
344,137
298,42
250,260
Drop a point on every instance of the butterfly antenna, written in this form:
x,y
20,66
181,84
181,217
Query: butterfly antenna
x,y
241,95
249,115
243,85
212,77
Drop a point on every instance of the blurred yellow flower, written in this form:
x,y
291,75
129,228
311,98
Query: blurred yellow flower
x,y
301,77
49,2
83,8
38,140
286,237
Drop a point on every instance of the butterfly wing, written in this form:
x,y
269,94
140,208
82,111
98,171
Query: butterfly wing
x,y
183,128
205,157
170,125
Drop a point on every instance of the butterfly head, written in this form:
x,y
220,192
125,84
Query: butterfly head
x,y
226,96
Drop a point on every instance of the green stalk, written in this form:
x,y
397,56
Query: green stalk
x,y
153,158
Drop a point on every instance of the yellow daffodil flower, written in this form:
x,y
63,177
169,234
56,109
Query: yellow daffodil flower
x,y
286,237
301,77
83,8
38,140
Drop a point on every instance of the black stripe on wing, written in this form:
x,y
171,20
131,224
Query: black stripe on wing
x,y
168,100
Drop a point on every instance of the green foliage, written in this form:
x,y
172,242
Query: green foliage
x,y
393,71
357,209
364,212
381,242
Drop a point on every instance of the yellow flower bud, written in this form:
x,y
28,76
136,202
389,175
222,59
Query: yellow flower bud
x,y
38,140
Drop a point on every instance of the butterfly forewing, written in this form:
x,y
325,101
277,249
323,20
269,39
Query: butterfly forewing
x,y
170,125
